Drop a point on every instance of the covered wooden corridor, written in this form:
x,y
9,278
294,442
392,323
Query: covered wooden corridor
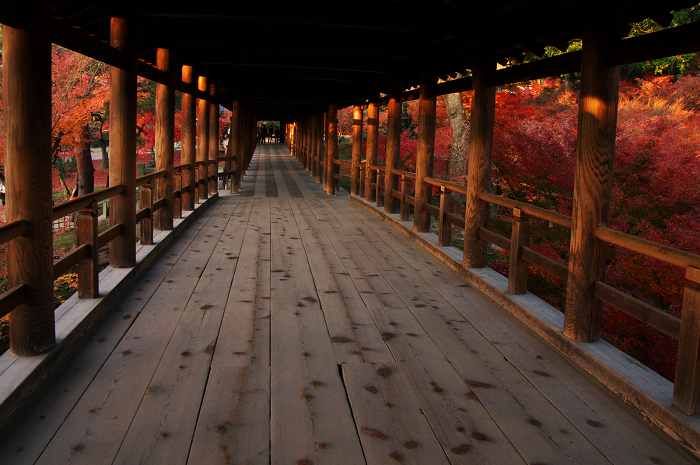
x,y
287,326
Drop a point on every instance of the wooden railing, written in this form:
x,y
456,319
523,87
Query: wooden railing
x,y
685,330
85,255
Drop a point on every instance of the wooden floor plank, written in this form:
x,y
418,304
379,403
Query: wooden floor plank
x,y
388,417
467,431
245,329
354,335
163,426
310,417
26,439
510,399
92,432
234,426
619,435
283,283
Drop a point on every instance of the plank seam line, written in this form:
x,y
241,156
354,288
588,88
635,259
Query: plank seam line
x,y
341,375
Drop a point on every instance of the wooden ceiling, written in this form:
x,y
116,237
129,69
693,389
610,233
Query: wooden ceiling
x,y
287,57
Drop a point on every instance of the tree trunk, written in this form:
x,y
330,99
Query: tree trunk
x,y
83,158
61,169
459,150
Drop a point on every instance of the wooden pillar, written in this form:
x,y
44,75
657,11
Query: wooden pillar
x,y
165,140
27,107
480,162
371,151
320,148
122,144
203,139
213,140
425,152
188,155
313,146
228,165
595,150
356,150
331,146
237,138
393,147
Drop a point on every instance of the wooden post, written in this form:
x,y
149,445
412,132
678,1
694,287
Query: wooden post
x,y
380,186
320,147
147,222
237,128
313,146
27,107
393,146
177,199
362,183
480,161
425,153
356,150
520,237
404,212
213,140
188,141
88,269
686,388
444,226
165,140
203,140
331,146
122,144
228,164
595,150
371,150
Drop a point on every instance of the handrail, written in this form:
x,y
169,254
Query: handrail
x,y
141,180
407,174
184,166
651,249
12,230
12,298
72,206
449,185
538,212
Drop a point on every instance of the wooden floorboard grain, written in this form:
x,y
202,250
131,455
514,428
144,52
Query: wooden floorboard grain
x,y
287,326
310,418
94,430
234,426
616,431
388,418
163,426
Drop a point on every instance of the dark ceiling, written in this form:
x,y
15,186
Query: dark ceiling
x,y
290,57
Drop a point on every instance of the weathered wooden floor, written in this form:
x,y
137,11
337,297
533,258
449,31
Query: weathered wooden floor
x,y
291,327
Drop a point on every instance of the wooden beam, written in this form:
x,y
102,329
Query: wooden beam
x,y
595,150
122,144
165,140
188,144
27,107
480,162
425,153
